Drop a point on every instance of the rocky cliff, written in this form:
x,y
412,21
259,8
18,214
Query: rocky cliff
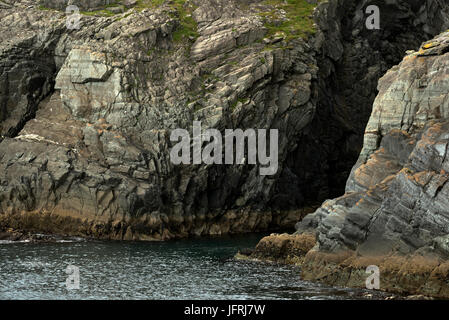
x,y
86,114
395,211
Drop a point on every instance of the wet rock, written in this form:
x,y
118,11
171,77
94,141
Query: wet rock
x,y
283,248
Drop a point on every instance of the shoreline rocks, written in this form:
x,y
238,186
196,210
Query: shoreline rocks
x,y
395,210
413,277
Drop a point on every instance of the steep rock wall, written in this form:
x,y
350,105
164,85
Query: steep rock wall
x,y
97,150
351,59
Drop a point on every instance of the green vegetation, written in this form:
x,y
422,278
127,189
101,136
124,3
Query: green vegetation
x,y
41,7
299,22
188,26
143,4
236,102
103,12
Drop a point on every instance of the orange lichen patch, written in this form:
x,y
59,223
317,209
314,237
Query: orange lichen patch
x,y
435,129
118,136
443,171
387,180
423,177
408,59
403,132
100,131
105,126
89,124
316,257
283,247
368,174
406,171
430,45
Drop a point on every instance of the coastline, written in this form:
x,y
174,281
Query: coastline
x,y
415,276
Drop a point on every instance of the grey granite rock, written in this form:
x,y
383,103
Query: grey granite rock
x,y
86,114
96,147
397,195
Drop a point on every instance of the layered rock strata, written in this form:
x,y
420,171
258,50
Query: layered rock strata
x,y
395,211
87,116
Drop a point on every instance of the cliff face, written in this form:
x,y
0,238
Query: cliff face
x,y
351,60
396,196
87,116
395,211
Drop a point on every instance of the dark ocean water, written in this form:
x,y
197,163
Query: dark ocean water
x,y
186,269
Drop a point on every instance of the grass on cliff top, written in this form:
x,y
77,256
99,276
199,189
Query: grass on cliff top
x,y
299,21
144,4
104,12
188,26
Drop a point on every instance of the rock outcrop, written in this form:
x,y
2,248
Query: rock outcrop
x,y
395,211
87,115
351,60
396,196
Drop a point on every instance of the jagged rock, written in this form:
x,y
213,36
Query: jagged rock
x,y
95,149
396,193
351,61
396,202
87,113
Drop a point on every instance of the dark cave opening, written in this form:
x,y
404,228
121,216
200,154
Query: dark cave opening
x,y
328,149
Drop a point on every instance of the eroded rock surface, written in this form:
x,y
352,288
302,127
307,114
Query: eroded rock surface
x,y
396,192
351,61
90,145
86,115
395,211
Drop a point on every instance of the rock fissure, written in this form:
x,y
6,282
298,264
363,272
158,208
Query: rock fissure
x,y
111,92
